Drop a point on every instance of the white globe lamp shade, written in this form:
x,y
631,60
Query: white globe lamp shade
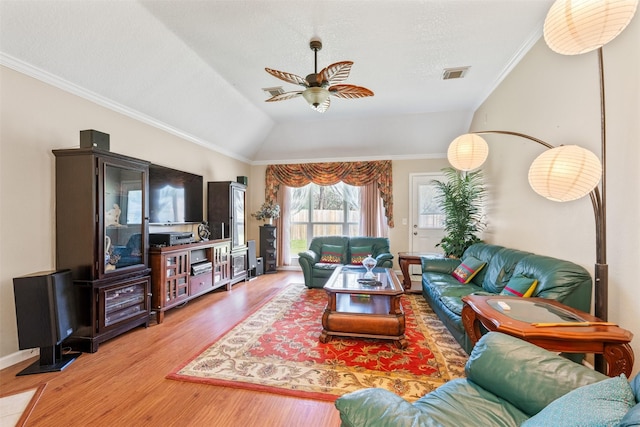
x,y
573,27
565,173
467,152
315,96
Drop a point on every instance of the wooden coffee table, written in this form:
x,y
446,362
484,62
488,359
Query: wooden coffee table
x,y
359,310
551,325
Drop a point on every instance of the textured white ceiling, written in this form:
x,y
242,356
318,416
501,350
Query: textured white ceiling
x,y
196,68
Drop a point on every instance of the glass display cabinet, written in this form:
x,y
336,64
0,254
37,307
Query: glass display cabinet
x,y
226,217
102,237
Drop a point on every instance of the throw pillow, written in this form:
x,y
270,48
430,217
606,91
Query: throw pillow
x,y
632,418
469,267
520,286
599,404
358,253
331,254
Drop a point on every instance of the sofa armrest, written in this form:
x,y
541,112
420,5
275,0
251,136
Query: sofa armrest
x,y
381,258
527,376
439,264
310,255
377,407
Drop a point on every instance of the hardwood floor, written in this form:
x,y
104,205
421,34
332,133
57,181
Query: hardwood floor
x,y
124,384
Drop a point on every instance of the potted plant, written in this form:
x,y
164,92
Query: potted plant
x,y
267,212
461,199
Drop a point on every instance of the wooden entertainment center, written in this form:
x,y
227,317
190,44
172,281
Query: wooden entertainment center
x,y
102,236
183,272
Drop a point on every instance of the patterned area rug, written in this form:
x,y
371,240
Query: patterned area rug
x,y
276,349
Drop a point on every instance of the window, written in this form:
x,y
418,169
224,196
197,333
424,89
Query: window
x,y
322,210
430,214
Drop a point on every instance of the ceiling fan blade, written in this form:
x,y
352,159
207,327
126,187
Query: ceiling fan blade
x,y
284,96
288,77
349,91
322,107
337,72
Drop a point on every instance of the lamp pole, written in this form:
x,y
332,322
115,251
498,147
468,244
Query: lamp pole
x,y
598,201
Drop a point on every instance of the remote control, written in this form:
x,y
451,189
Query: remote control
x,y
503,305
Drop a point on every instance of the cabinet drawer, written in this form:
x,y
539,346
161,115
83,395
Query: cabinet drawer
x,y
200,283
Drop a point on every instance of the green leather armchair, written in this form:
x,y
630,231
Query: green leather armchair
x,y
317,273
510,383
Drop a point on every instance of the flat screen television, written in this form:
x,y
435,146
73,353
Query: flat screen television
x,y
175,197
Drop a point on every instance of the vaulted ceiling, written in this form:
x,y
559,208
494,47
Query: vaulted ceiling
x,y
196,68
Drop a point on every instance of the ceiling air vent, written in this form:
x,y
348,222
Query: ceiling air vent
x,y
454,73
273,91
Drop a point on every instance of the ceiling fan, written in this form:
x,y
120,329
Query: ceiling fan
x,y
319,86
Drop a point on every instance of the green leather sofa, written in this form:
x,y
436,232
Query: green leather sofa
x,y
560,280
509,383
317,273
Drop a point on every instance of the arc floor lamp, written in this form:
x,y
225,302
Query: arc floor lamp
x,y
567,173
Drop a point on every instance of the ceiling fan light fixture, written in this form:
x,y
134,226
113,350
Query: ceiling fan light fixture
x,y
315,96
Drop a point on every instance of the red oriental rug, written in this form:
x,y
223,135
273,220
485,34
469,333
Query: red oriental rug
x,y
276,349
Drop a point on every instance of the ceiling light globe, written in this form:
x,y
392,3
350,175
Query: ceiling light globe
x,y
315,96
468,152
573,27
565,173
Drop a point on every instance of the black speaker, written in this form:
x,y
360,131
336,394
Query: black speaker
x,y
46,315
259,267
252,254
243,180
92,138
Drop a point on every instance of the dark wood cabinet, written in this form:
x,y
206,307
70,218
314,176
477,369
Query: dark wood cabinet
x,y
226,218
183,272
102,237
268,249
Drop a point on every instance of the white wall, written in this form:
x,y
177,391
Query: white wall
x,y
556,98
37,118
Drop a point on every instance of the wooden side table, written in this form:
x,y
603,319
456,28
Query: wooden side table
x,y
550,325
405,259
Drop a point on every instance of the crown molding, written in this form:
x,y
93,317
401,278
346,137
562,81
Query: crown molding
x,y
60,83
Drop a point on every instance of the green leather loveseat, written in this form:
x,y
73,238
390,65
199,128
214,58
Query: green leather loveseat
x,y
509,383
556,279
344,249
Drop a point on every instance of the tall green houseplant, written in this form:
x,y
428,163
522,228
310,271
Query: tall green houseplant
x,y
461,199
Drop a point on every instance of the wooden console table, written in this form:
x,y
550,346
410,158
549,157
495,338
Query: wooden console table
x,y
550,325
405,259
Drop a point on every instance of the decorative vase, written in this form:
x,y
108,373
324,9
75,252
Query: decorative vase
x,y
269,221
369,263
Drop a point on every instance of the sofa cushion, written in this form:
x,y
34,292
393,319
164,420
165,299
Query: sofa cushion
x,y
331,254
458,402
497,360
520,286
604,403
560,280
501,268
358,253
484,252
469,267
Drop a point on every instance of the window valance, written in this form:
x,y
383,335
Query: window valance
x,y
352,173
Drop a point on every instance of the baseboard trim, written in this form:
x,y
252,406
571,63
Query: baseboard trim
x,y
17,357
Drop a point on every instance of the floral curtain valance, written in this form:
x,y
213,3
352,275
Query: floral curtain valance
x,y
352,173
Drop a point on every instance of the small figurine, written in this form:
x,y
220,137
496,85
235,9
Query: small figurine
x,y
112,217
203,231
